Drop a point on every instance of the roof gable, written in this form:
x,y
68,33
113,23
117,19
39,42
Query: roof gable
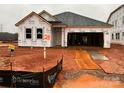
x,y
47,16
114,12
30,15
72,19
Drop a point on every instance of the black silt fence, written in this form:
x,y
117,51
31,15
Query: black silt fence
x,y
21,79
51,75
5,78
27,80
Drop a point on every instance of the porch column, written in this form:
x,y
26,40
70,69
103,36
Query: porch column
x,y
63,38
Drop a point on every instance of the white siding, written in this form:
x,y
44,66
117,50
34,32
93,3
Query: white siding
x,y
33,22
118,15
107,39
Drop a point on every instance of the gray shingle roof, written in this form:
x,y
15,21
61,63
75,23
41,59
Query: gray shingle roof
x,y
72,19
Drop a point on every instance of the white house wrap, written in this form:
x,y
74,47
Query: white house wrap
x,y
65,29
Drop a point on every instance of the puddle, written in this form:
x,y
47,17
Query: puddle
x,y
97,56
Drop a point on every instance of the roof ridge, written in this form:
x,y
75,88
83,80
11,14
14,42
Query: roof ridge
x,y
64,16
81,16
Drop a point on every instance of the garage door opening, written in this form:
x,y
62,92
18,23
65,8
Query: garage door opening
x,y
85,39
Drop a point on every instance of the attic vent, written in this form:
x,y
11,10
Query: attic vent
x,y
31,21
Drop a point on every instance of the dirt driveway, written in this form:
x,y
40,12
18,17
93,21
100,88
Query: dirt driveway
x,y
98,74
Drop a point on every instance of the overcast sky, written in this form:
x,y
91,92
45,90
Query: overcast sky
x,y
11,14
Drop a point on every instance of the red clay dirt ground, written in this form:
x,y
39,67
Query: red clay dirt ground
x,y
27,59
75,59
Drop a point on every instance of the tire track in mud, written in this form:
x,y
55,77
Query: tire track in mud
x,y
84,61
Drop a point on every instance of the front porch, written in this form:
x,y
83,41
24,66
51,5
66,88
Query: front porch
x,y
57,34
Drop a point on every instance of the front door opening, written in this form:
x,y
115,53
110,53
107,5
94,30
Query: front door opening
x,y
85,39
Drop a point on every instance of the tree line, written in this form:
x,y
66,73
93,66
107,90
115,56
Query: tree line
x,y
5,36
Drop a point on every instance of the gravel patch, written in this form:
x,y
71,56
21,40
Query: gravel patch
x,y
99,73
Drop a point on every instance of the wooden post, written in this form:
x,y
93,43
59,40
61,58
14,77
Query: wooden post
x,y
44,52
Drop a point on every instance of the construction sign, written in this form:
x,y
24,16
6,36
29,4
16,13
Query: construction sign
x,y
11,47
